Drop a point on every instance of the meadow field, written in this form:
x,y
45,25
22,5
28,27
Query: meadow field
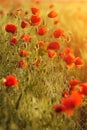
x,y
43,66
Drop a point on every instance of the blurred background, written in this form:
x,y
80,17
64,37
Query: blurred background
x,y
10,2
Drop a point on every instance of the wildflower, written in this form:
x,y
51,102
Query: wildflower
x,y
24,24
52,14
35,20
73,83
10,81
65,94
35,11
37,63
22,64
69,111
53,46
13,40
41,44
11,28
62,54
56,22
42,31
69,59
69,102
51,53
59,108
59,33
66,52
78,97
26,38
83,88
23,53
72,101
79,62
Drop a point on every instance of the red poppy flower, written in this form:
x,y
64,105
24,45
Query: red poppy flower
x,y
59,108
41,44
37,62
62,54
23,53
79,62
13,40
67,51
59,33
11,28
35,11
78,97
10,80
52,14
69,59
26,38
83,88
73,83
35,20
69,111
65,94
56,22
22,64
53,46
71,102
24,24
51,53
42,31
